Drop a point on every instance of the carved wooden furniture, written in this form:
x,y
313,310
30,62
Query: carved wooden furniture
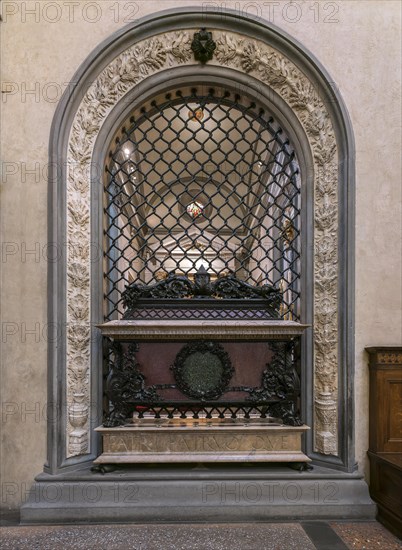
x,y
385,449
202,371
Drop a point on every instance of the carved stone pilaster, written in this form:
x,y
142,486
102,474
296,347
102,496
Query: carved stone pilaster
x,y
78,417
326,420
271,67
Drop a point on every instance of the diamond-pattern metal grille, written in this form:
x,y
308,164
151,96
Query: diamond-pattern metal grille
x,y
202,177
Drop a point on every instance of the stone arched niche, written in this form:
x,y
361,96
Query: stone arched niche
x,y
146,56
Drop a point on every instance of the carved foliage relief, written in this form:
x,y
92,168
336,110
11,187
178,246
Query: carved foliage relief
x,y
121,75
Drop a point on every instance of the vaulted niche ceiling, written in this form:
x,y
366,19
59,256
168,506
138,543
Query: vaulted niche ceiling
x,y
201,177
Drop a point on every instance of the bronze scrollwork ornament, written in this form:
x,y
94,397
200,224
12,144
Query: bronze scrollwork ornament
x,y
203,46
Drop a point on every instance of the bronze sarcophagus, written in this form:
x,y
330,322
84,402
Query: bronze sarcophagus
x,y
202,371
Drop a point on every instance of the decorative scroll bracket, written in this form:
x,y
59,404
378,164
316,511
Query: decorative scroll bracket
x,y
126,384
280,381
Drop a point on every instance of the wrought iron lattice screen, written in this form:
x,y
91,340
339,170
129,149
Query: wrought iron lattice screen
x,y
202,177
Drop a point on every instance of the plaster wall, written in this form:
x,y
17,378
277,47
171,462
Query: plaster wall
x,y
43,43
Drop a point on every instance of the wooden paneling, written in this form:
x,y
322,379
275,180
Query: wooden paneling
x,y
385,452
386,488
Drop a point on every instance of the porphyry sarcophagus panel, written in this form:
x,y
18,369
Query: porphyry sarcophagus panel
x,y
207,442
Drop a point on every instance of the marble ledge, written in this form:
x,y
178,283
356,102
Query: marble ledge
x,y
195,329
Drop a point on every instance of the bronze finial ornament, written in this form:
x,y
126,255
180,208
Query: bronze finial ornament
x,y
203,46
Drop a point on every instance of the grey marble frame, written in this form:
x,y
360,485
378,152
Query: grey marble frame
x,y
143,28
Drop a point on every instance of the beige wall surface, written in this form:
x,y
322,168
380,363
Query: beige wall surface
x,y
43,44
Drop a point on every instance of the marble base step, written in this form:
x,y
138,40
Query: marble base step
x,y
183,493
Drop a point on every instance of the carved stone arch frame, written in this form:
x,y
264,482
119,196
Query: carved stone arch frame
x,y
139,60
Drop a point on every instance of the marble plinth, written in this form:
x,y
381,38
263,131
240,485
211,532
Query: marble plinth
x,y
202,440
183,493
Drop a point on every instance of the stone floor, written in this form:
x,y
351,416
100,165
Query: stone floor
x,y
309,535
